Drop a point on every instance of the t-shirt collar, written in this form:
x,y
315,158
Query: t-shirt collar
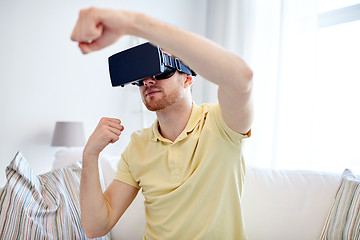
x,y
193,121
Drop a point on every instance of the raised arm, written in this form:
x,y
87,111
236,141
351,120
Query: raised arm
x,y
211,61
98,28
100,212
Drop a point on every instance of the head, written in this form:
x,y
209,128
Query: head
x,y
163,79
135,64
157,95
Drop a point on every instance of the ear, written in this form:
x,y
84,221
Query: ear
x,y
188,81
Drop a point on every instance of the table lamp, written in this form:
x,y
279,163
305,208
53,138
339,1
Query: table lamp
x,y
68,134
71,137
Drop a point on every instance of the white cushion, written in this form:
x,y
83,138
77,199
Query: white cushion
x,y
67,156
287,204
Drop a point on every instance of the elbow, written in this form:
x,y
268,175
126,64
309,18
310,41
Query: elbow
x,y
92,231
92,234
245,79
243,76
249,74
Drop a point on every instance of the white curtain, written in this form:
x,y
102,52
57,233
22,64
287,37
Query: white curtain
x,y
280,41
225,24
252,30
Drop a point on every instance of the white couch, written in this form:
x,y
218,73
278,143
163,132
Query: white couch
x,y
276,204
287,204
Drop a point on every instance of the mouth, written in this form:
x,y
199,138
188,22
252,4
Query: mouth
x,y
151,92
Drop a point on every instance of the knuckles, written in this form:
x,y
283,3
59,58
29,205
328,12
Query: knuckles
x,y
104,125
86,11
104,120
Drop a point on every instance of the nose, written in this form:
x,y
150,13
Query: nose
x,y
149,81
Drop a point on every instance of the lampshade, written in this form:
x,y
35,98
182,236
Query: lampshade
x,y
68,134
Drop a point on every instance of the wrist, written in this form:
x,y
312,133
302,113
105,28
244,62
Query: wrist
x,y
136,26
90,156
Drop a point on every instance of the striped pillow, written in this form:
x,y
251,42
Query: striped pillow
x,y
343,221
41,207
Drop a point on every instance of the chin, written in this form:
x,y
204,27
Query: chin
x,y
157,104
154,107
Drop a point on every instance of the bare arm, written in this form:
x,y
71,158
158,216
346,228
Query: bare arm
x,y
211,61
234,78
100,212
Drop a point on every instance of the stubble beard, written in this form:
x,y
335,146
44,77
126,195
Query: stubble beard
x,y
161,103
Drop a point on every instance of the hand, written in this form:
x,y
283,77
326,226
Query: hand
x,y
107,131
97,28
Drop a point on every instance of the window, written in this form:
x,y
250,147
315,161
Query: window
x,y
336,134
329,5
307,86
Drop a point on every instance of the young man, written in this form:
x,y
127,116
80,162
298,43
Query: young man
x,y
189,164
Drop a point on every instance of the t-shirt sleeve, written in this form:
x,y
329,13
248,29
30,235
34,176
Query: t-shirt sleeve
x,y
123,173
224,130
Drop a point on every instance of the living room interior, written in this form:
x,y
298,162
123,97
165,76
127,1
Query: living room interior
x,y
305,58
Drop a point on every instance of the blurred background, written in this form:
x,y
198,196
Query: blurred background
x,y
304,53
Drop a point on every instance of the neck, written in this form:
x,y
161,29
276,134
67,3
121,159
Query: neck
x,y
173,119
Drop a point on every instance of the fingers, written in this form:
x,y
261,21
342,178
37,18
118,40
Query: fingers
x,y
106,39
87,47
116,129
112,123
107,131
88,26
87,30
114,138
111,128
110,120
117,126
97,28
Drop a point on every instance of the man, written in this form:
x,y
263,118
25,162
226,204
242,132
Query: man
x,y
189,164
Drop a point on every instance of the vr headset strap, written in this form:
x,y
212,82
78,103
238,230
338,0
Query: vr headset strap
x,y
177,64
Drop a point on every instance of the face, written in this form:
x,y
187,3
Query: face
x,y
159,94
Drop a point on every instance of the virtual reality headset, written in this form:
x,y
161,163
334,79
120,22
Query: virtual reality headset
x,y
143,61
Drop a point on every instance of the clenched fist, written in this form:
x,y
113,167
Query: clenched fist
x,y
97,28
107,131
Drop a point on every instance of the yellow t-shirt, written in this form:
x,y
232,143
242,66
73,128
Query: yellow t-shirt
x,y
192,186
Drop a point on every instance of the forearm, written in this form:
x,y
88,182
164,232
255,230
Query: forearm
x,y
208,59
94,208
99,28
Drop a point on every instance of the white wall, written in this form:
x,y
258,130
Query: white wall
x,y
44,78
